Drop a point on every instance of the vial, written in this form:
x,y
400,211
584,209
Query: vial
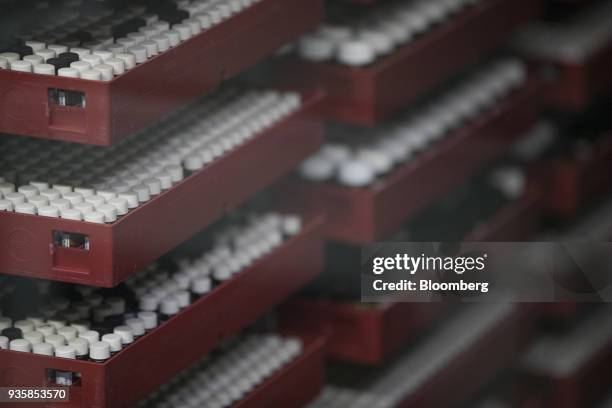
x,y
21,345
114,341
137,325
43,349
149,319
4,343
99,352
168,307
81,347
34,337
126,334
65,378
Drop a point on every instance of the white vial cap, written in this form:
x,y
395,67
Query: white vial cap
x,y
46,330
131,198
149,302
151,47
125,332
174,37
80,66
44,69
117,64
83,207
21,66
114,340
153,184
10,56
4,343
106,71
81,52
313,47
34,60
355,173
129,60
81,346
120,204
25,326
51,194
94,217
91,75
71,214
91,336
57,48
6,188
48,211
95,200
139,52
137,326
43,349
20,345
28,190
107,195
183,297
34,337
104,55
99,350
25,208
201,285
109,211
56,340
149,318
92,59
35,45
68,332
65,352
142,192
356,53
15,198
162,42
68,72
175,171
60,203
169,305
116,48
81,326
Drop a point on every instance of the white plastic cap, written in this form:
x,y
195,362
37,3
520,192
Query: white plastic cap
x,y
46,330
34,337
65,352
129,60
114,340
71,214
21,66
43,349
117,64
109,211
149,302
25,208
25,326
91,336
68,332
56,340
107,71
126,334
4,343
6,205
44,69
91,75
80,66
201,285
356,53
137,326
80,345
99,350
169,305
68,72
313,47
20,345
356,173
34,60
139,52
51,194
149,319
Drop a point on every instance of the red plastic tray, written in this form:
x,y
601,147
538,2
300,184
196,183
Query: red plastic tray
x,y
365,96
476,366
139,97
118,250
580,83
294,385
156,357
359,215
516,221
364,334
572,183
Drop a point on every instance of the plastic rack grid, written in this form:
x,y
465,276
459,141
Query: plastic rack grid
x,y
119,249
127,377
359,215
140,96
364,96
